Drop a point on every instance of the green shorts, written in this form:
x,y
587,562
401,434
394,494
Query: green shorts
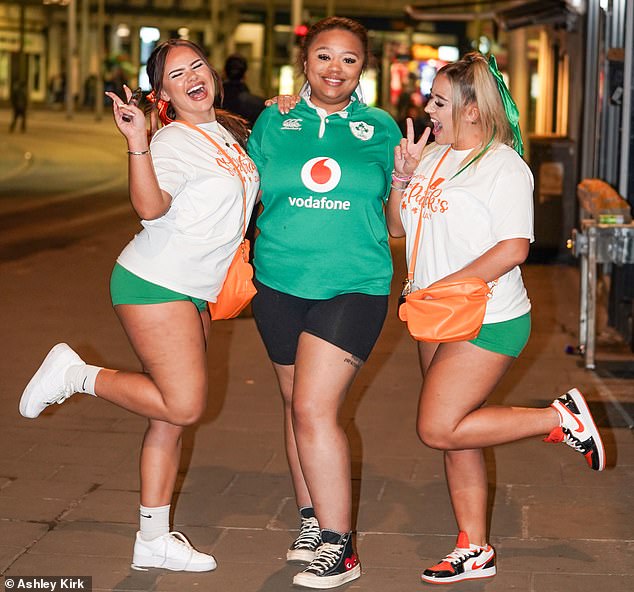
x,y
507,337
127,288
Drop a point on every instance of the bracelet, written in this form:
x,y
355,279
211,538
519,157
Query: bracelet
x,y
398,188
135,153
398,177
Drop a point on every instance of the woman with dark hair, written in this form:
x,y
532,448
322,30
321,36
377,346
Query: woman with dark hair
x,y
188,187
323,272
469,196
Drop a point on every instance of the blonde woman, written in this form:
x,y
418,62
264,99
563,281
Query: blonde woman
x,y
474,193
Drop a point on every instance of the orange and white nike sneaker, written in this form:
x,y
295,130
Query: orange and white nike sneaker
x,y
465,562
577,429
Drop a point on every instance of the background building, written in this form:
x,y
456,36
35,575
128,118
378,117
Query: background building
x,y
66,46
568,62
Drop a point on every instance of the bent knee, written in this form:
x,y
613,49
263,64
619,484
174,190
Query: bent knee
x,y
186,415
435,436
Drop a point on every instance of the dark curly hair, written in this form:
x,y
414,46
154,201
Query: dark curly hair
x,y
328,24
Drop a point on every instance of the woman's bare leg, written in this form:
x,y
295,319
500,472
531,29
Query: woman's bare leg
x,y
285,377
323,374
169,340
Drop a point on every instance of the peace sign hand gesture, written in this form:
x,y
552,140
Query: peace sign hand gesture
x,y
407,153
127,116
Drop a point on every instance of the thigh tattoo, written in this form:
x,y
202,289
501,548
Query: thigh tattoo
x,y
354,361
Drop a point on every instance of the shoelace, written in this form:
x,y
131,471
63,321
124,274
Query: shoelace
x,y
458,555
327,555
66,391
308,533
573,442
179,538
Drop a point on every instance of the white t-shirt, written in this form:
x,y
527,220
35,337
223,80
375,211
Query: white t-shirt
x,y
189,248
465,216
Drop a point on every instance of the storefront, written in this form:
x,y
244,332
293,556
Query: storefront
x,y
22,52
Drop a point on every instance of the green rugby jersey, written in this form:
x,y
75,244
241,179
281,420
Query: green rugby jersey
x,y
324,181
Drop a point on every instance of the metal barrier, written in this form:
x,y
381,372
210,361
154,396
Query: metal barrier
x,y
594,244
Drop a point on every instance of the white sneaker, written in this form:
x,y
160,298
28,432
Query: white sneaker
x,y
48,384
170,551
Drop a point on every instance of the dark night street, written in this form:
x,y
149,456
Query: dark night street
x,y
69,480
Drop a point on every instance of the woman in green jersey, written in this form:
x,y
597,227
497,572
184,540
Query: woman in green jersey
x,y
323,272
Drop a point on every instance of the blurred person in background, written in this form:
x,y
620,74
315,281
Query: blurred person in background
x,y
237,97
19,102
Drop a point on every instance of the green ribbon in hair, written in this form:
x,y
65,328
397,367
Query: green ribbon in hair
x,y
510,108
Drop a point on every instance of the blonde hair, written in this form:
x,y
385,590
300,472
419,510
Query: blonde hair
x,y
472,83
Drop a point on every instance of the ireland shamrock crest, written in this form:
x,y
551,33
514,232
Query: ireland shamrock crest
x,y
361,130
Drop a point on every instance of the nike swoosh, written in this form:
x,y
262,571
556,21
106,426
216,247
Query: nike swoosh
x,y
476,566
148,516
580,430
83,384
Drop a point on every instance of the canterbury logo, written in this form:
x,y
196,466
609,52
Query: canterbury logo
x,y
292,124
321,174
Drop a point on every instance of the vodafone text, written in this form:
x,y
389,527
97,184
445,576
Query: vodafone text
x,y
323,203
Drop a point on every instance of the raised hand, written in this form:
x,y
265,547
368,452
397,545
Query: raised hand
x,y
284,102
129,118
407,153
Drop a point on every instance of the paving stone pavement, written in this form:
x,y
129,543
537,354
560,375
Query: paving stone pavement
x,y
69,484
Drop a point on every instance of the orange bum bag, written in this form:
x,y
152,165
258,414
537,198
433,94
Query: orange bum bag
x,y
238,288
445,311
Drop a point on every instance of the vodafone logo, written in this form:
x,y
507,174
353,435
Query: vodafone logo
x,y
321,174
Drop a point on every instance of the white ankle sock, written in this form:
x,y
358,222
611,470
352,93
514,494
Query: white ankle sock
x,y
83,378
155,522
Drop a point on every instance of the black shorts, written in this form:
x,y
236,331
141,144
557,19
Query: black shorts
x,y
352,322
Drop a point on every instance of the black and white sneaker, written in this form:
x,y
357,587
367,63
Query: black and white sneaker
x,y
465,562
335,563
577,429
305,545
